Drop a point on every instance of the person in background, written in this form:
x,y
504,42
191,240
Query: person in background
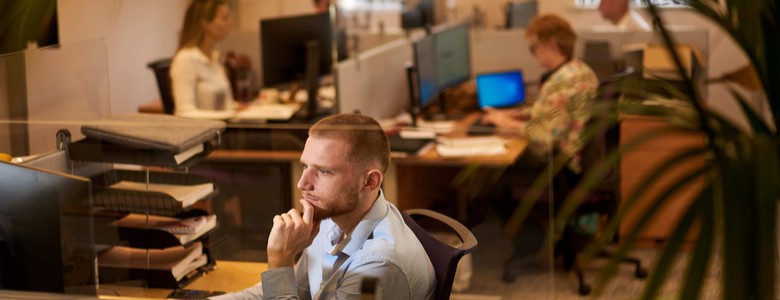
x,y
347,230
621,14
558,116
200,86
553,123
321,5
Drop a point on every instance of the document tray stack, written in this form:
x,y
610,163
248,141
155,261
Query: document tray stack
x,y
140,250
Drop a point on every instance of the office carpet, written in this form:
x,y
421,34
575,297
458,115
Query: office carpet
x,y
535,281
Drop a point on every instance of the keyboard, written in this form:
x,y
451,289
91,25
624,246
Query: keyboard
x,y
275,112
477,128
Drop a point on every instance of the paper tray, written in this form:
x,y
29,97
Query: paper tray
x,y
143,202
99,151
153,278
149,238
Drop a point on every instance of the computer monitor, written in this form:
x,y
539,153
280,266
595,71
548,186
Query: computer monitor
x,y
428,11
500,89
442,61
46,241
427,74
518,15
453,58
422,15
298,49
283,42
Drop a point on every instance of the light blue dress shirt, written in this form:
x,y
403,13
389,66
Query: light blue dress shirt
x,y
332,267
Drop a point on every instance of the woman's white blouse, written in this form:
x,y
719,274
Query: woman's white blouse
x,y
200,86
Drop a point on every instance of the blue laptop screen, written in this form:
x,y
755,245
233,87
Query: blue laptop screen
x,y
498,90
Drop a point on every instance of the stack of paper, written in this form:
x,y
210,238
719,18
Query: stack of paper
x,y
187,154
186,194
178,260
186,230
470,146
279,112
149,131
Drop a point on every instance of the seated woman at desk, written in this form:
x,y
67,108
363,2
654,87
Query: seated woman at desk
x,y
558,116
200,86
555,121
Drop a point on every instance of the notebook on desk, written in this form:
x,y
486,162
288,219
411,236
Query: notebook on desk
x,y
497,90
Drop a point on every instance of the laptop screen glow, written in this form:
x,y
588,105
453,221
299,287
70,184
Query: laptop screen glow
x,y
504,89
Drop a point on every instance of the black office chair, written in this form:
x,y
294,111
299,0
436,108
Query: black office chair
x,y
603,200
598,56
161,70
443,256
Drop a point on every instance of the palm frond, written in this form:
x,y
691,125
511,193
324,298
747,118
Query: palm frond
x,y
628,240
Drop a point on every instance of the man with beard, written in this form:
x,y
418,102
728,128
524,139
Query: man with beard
x,y
347,230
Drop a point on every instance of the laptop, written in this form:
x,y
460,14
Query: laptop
x,y
497,90
501,89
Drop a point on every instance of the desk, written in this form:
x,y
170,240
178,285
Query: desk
x,y
229,276
639,162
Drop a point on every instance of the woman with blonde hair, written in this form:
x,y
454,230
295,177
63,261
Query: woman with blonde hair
x,y
200,85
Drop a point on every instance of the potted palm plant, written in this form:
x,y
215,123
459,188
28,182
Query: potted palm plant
x,y
737,206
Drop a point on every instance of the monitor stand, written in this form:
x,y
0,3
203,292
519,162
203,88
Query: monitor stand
x,y
441,114
312,80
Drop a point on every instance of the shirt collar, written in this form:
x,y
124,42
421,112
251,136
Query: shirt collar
x,y
352,242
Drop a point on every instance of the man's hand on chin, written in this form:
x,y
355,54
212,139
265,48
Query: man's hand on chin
x,y
290,235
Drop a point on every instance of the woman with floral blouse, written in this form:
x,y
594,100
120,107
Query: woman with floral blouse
x,y
557,118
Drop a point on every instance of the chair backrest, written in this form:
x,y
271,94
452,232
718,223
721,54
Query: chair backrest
x,y
604,141
443,256
161,70
598,56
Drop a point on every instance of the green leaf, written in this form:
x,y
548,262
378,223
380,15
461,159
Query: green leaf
x,y
611,268
756,122
665,262
766,191
699,261
628,204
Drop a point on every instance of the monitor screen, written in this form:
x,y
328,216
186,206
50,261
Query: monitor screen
x,y
283,42
518,15
453,59
498,90
46,242
425,62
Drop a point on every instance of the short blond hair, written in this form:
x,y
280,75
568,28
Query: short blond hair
x,y
368,144
553,27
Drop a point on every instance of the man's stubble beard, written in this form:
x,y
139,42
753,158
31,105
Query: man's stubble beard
x,y
344,203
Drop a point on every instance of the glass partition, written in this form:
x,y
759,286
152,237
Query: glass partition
x,y
113,205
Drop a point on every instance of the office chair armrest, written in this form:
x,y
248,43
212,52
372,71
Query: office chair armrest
x,y
464,234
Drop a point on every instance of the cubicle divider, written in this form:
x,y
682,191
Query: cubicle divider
x,y
502,50
374,82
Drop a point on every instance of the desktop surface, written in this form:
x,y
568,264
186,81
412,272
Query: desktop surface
x,y
228,276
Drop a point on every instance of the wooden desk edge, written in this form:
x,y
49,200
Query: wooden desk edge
x,y
515,147
229,276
